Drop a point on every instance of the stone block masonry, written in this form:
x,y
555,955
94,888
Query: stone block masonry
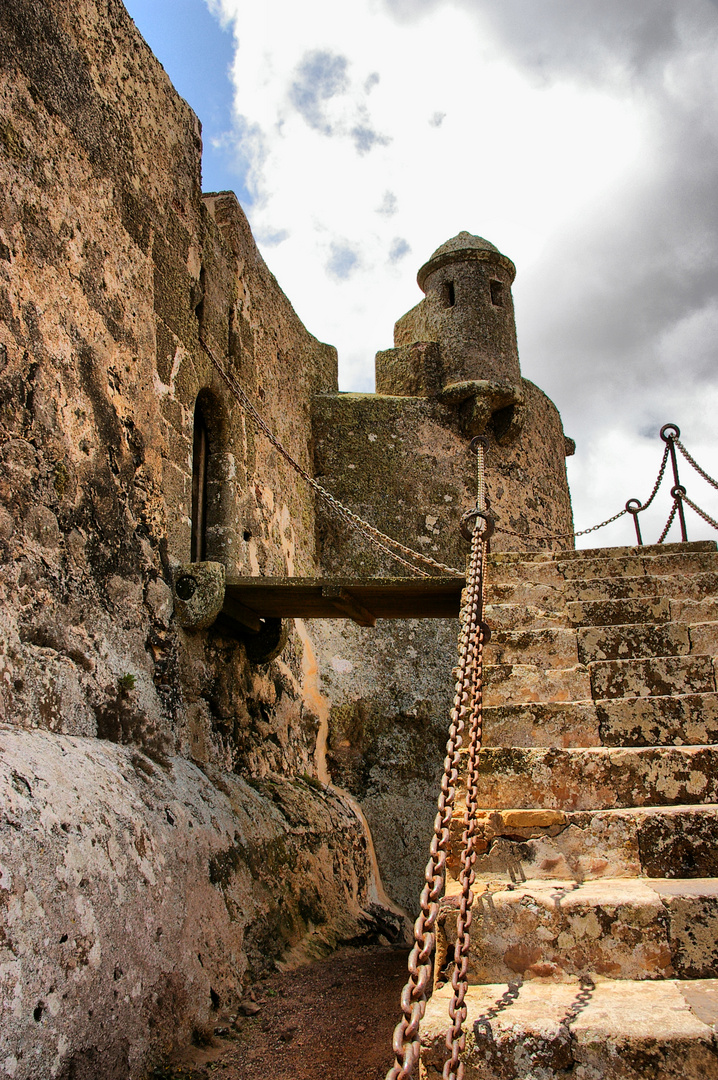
x,y
596,907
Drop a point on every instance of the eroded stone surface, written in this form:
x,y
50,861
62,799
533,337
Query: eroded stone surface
x,y
659,721
136,896
629,642
623,1031
658,676
597,778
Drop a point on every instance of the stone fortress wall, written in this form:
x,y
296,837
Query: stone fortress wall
x,y
163,832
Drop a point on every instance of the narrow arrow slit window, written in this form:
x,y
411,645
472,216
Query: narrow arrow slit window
x,y
200,466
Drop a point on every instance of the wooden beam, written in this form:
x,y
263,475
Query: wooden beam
x,y
343,600
239,612
379,598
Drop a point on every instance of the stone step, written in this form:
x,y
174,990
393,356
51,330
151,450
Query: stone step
x,y
556,596
653,610
666,841
690,547
512,684
604,565
545,647
614,1029
695,611
516,684
596,777
555,647
685,720
654,676
523,616
689,719
554,723
630,642
624,928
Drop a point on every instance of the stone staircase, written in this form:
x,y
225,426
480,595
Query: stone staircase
x,y
595,936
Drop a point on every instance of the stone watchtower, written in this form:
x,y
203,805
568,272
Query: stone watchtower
x,y
400,458
455,361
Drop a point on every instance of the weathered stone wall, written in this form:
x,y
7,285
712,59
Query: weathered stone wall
x,y
134,897
111,266
400,458
164,834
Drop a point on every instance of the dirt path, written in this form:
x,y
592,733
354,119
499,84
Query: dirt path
x,y
331,1020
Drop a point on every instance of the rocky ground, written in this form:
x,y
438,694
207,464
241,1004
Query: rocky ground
x,y
332,1019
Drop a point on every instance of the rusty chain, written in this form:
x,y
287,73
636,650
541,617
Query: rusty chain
x,y
386,544
561,536
455,1036
638,509
467,707
667,526
701,513
696,466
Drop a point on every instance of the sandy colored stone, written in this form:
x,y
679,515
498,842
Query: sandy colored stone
x,y
652,610
597,778
630,642
573,723
158,883
659,721
657,676
526,819
625,1031
704,638
616,928
512,684
544,647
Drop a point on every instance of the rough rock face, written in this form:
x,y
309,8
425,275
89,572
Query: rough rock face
x,y
123,864
137,897
167,825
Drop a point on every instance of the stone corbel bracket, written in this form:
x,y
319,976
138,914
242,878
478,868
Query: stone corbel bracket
x,y
200,602
486,402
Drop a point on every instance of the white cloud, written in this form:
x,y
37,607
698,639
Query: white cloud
x,y
579,138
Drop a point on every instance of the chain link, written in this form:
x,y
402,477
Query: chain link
x,y
661,471
668,524
561,536
701,513
467,707
698,469
386,544
585,532
455,1036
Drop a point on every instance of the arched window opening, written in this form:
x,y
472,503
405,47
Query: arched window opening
x,y
497,293
448,294
200,472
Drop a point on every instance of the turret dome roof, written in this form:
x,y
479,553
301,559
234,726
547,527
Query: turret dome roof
x,y
464,247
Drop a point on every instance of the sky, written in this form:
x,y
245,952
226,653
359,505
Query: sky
x,y
580,137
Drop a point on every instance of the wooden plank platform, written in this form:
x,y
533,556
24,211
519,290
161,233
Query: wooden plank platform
x,y
363,600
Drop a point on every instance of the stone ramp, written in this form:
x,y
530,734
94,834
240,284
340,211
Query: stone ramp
x,y
596,903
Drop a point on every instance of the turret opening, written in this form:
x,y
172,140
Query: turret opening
x,y
502,420
448,295
497,293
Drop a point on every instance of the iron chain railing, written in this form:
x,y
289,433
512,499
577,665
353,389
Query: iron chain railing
x,y
670,433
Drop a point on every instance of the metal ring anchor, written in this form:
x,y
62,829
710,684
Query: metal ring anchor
x,y
490,523
477,441
667,429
